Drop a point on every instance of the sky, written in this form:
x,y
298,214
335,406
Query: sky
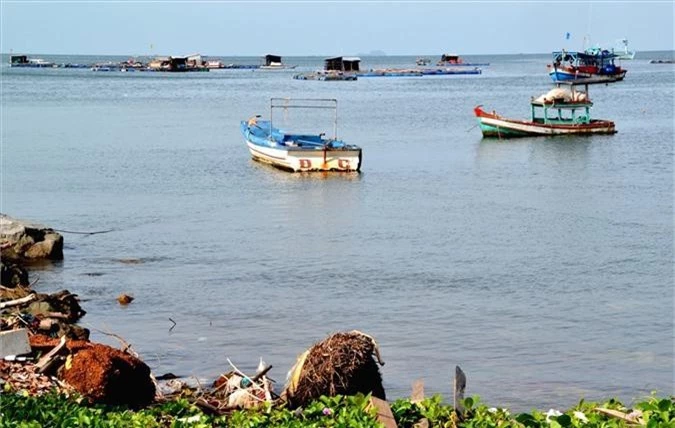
x,y
327,28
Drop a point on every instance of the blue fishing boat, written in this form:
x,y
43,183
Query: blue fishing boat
x,y
299,152
584,67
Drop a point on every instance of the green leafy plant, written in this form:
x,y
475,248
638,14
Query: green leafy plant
x,y
53,410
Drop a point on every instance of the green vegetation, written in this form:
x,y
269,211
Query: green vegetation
x,y
17,410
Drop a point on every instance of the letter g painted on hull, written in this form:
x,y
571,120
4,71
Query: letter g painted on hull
x,y
343,164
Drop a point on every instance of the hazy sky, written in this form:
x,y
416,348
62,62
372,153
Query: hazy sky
x,y
329,27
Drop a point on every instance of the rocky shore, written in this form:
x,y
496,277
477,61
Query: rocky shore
x,y
58,353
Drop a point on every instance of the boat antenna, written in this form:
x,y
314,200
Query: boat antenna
x,y
588,29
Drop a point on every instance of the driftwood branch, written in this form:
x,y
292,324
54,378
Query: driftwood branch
x,y
49,358
620,415
126,347
83,233
16,302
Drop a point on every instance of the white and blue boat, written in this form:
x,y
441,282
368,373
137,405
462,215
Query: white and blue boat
x,y
299,152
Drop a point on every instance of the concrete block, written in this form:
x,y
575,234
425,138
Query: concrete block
x,y
14,342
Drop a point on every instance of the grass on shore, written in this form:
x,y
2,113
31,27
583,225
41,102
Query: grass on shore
x,y
52,410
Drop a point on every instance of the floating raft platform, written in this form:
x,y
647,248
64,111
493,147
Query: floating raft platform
x,y
390,72
326,76
448,71
241,66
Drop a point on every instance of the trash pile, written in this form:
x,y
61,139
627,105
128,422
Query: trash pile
x,y
345,363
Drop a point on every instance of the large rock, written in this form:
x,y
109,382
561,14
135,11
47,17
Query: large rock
x,y
22,240
108,375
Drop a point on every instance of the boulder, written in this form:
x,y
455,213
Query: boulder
x,y
107,375
22,240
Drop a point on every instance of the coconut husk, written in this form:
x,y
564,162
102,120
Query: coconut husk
x,y
341,364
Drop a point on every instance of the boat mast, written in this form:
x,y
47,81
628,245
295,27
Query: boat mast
x,y
335,123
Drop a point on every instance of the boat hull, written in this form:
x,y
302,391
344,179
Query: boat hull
x,y
299,153
572,75
307,160
495,126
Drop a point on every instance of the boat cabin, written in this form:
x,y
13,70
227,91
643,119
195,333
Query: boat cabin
x,y
194,60
272,60
599,62
562,107
18,59
450,59
339,63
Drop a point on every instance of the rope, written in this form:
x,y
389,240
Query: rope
x,y
84,233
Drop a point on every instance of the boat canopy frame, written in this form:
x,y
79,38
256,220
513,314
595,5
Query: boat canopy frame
x,y
305,103
559,107
599,59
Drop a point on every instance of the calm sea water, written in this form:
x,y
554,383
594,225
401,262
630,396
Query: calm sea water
x,y
542,266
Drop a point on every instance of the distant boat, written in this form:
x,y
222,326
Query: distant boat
x,y
455,60
662,61
422,61
24,61
625,54
559,112
299,152
582,67
273,62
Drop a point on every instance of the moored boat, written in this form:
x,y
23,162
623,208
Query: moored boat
x,y
299,152
558,112
583,67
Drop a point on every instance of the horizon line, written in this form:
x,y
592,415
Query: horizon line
x,y
304,55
